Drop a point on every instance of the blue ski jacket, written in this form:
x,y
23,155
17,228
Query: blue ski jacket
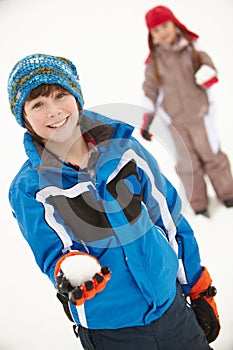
x,y
121,210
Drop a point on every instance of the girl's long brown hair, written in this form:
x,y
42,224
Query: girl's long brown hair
x,y
195,55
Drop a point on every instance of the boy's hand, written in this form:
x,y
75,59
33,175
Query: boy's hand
x,y
205,76
80,276
203,303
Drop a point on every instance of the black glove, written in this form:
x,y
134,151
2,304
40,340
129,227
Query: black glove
x,y
205,310
77,295
203,304
147,121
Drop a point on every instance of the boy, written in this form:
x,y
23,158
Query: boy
x,y
102,221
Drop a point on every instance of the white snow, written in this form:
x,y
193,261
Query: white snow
x,y
108,43
71,268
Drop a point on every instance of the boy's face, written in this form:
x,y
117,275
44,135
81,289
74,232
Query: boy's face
x,y
164,33
54,117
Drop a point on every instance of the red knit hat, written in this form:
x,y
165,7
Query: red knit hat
x,y
161,14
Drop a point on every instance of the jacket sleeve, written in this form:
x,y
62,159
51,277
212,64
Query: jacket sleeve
x,y
46,243
164,207
150,87
204,57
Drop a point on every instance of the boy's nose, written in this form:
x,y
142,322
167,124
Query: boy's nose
x,y
53,110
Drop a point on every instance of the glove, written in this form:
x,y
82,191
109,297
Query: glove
x,y
202,302
205,76
147,121
80,276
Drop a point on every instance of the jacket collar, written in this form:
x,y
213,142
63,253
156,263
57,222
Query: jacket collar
x,y
98,128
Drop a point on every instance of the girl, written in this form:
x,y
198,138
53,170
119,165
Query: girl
x,y
177,77
102,221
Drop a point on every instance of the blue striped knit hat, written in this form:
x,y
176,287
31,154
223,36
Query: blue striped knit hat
x,y
37,69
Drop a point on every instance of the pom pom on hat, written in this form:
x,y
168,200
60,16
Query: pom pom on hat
x,y
37,69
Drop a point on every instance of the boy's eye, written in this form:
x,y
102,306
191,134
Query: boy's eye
x,y
37,105
60,95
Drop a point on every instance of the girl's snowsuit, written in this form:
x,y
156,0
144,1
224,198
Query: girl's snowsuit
x,y
122,211
188,110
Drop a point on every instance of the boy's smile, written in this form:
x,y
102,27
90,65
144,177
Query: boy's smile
x,y
58,125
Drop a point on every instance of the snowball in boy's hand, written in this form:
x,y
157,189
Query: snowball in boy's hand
x,y
79,268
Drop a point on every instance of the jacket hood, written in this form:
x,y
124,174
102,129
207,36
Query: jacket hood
x,y
162,14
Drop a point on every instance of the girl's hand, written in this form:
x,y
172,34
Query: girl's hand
x,y
206,76
147,121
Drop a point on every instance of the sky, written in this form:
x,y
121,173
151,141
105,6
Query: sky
x,y
107,41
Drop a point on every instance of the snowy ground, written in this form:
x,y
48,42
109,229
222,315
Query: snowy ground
x,y
108,43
